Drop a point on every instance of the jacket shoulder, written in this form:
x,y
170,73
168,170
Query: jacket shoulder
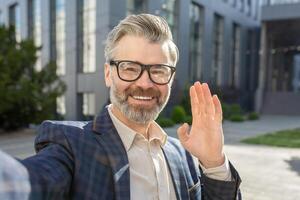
x,y
59,132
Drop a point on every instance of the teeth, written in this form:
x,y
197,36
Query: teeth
x,y
142,98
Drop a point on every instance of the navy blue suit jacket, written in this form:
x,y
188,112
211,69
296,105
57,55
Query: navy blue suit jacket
x,y
87,160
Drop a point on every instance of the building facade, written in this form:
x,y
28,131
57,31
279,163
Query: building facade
x,y
217,39
278,91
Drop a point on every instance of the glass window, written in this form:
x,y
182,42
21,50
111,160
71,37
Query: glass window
x,y
217,62
170,13
61,105
196,40
87,35
136,6
235,56
52,29
242,5
249,3
15,20
35,27
249,7
234,3
88,105
58,34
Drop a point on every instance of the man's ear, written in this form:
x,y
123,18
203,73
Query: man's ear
x,y
107,75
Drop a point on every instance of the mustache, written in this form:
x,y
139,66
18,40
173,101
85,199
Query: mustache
x,y
138,91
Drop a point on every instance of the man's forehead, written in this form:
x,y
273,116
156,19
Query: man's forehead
x,y
141,49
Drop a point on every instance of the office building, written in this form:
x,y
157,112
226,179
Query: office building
x,y
278,90
218,42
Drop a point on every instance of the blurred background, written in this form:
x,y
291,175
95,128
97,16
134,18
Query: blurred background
x,y
52,58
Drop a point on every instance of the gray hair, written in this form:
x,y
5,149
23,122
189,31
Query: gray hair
x,y
153,28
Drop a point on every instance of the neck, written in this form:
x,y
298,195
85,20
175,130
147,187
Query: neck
x,y
137,127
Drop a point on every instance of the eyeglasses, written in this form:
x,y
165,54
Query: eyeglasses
x,y
131,71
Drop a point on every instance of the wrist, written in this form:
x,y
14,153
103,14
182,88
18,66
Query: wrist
x,y
213,163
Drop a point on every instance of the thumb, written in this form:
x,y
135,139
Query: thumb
x,y
182,133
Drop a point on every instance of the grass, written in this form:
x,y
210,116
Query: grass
x,y
286,138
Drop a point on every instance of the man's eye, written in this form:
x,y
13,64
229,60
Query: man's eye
x,y
158,72
131,69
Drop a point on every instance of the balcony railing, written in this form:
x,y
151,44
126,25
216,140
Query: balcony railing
x,y
276,2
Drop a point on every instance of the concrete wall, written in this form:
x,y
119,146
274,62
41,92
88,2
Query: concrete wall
x,y
280,12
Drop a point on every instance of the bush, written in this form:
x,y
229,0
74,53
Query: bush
x,y
253,116
188,119
186,101
178,114
28,96
231,109
236,118
226,111
235,109
165,122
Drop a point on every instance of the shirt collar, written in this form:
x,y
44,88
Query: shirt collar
x,y
128,135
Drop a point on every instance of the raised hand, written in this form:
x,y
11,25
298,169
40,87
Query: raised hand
x,y
205,138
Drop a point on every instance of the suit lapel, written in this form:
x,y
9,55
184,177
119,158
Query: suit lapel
x,y
176,171
109,139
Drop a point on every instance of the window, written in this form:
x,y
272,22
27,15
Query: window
x,y
61,105
52,30
217,62
87,36
242,5
136,6
169,12
250,79
58,34
249,3
35,27
235,56
234,3
196,40
88,105
249,7
14,20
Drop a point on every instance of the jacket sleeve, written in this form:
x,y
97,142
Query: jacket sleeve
x,y
210,189
51,169
221,190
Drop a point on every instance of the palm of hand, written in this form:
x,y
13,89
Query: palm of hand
x,y
204,140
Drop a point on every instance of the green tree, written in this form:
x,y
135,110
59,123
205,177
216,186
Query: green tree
x,y
27,95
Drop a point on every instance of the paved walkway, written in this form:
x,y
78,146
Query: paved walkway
x,y
18,144
236,131
268,173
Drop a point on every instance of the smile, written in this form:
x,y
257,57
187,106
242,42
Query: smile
x,y
144,98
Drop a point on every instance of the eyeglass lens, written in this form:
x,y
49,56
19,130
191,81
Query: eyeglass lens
x,y
131,71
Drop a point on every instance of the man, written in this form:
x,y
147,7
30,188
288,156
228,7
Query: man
x,y
123,153
14,179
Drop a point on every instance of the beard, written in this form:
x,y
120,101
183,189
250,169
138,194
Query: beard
x,y
138,113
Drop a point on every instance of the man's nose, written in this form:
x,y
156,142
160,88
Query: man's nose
x,y
144,81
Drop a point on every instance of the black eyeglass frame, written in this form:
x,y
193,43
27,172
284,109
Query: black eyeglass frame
x,y
144,67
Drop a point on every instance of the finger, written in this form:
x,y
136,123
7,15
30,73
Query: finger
x,y
182,133
218,108
200,96
194,101
209,106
